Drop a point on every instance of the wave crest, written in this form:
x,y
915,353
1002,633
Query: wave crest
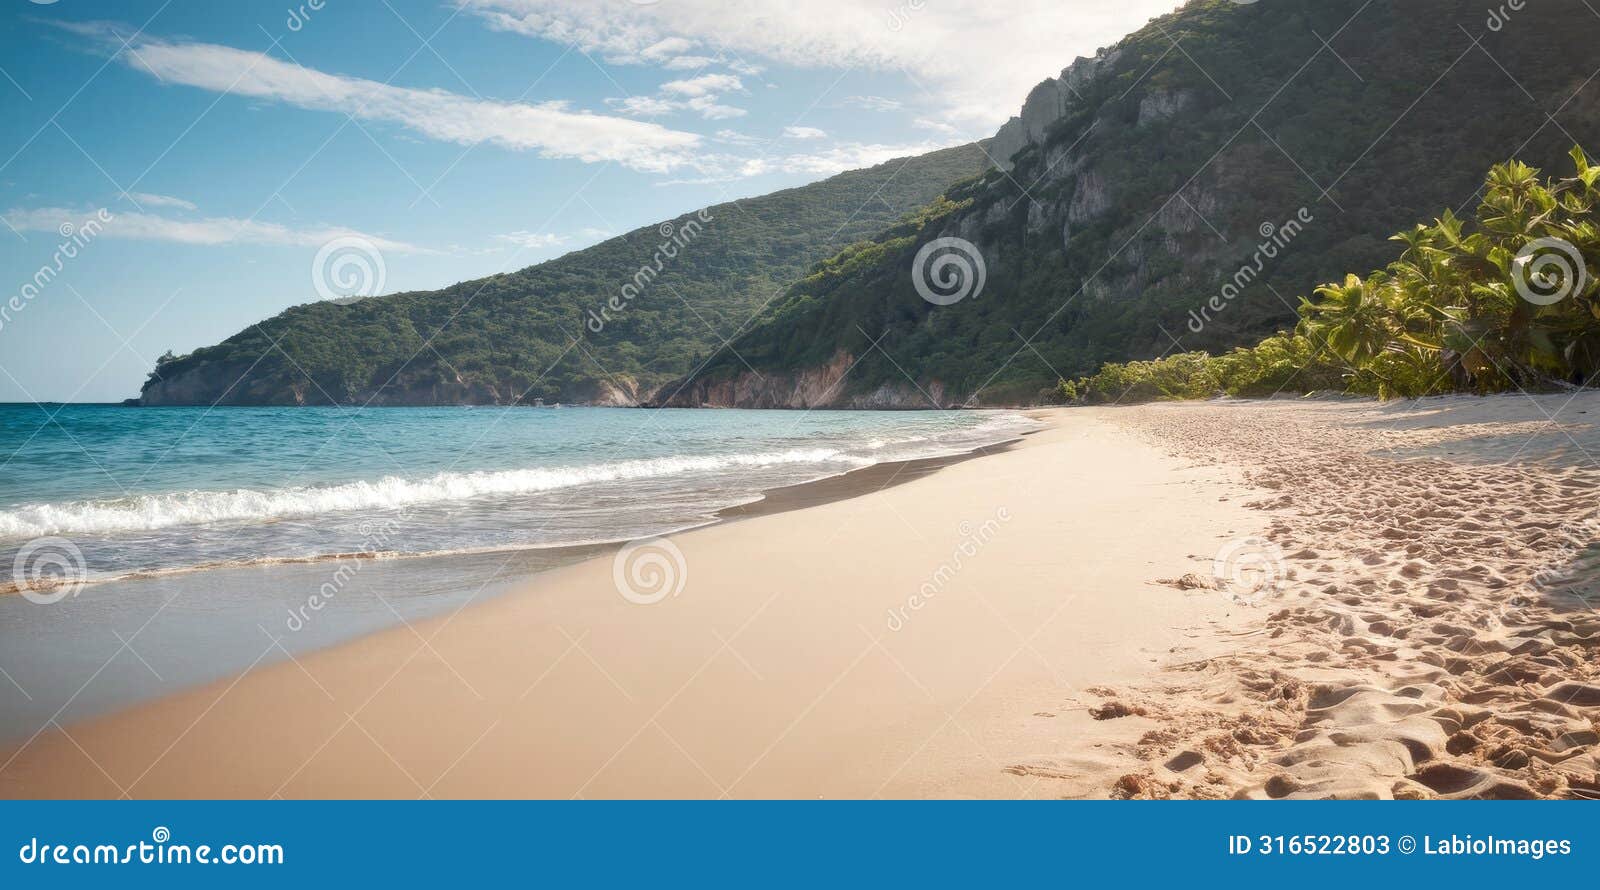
x,y
149,512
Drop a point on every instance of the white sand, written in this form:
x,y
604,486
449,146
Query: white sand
x,y
1431,630
775,672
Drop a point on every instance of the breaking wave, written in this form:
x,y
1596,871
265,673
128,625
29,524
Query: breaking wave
x,y
158,511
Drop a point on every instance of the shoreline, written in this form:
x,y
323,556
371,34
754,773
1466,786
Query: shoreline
x,y
375,577
826,489
1247,599
565,650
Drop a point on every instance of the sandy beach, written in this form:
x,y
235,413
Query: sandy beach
x,y
1338,598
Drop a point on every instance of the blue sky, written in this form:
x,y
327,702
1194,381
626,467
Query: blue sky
x,y
230,144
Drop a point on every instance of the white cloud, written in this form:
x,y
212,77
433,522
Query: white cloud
x,y
153,200
532,240
688,63
550,128
697,94
803,133
644,106
875,103
924,123
734,137
704,85
839,158
712,110
206,231
978,59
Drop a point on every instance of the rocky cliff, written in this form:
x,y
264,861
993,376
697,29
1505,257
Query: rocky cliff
x,y
1046,104
820,386
1223,155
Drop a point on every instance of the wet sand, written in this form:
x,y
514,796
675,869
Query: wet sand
x,y
118,643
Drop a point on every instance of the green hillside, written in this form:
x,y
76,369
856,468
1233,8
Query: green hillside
x,y
1176,152
683,285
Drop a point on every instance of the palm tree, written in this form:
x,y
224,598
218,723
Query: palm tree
x,y
1356,318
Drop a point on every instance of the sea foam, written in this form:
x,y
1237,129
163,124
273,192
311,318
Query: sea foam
x,y
157,511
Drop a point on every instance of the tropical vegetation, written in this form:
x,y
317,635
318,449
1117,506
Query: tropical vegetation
x,y
1510,302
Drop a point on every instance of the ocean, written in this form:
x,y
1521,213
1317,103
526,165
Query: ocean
x,y
163,489
199,534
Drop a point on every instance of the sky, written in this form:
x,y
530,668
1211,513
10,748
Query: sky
x,y
173,171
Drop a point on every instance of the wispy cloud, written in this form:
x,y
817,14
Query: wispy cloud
x,y
803,133
146,199
700,95
532,240
835,159
704,85
553,129
822,162
924,123
734,137
973,59
205,231
874,103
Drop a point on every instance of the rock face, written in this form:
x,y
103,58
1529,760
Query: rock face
x,y
620,391
1158,105
818,387
1047,103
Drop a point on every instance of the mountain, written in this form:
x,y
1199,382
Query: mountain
x,y
649,306
1177,191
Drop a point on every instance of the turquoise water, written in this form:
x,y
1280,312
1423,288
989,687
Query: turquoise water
x,y
159,489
